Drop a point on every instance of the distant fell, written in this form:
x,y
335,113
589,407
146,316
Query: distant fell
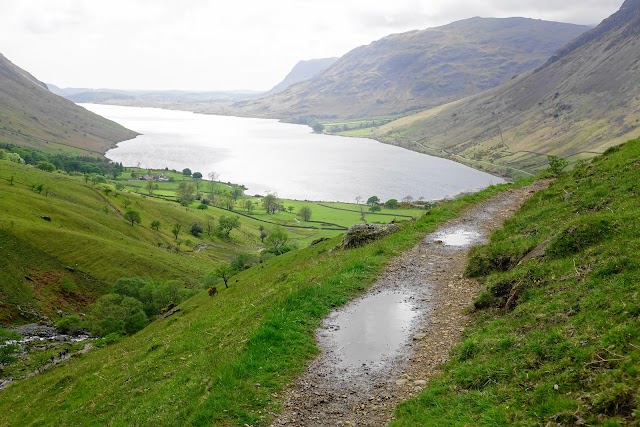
x,y
419,69
303,70
32,116
583,100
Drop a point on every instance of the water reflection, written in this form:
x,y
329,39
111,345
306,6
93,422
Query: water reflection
x,y
267,155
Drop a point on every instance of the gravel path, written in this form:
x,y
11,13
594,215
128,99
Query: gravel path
x,y
430,278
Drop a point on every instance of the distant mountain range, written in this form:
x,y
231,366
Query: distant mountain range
x,y
417,70
31,115
585,98
303,70
173,99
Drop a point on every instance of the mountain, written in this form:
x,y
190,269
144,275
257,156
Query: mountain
x,y
584,99
303,70
171,99
30,115
419,69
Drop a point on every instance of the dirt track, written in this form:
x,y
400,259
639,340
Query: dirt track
x,y
328,394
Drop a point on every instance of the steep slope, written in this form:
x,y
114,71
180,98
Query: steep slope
x,y
30,115
583,100
55,226
303,70
420,69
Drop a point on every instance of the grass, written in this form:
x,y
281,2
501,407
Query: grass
x,y
555,338
88,241
220,360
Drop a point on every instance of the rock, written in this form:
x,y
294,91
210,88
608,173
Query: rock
x,y
320,240
419,337
420,383
361,234
401,382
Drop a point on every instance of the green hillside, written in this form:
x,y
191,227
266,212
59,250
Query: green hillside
x,y
220,360
556,336
56,226
32,116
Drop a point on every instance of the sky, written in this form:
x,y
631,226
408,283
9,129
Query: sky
x,y
229,44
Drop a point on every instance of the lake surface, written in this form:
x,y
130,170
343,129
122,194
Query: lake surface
x,y
290,160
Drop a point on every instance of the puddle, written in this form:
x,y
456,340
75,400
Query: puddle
x,y
372,331
459,237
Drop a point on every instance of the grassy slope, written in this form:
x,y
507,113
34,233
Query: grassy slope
x,y
87,232
558,339
32,116
220,360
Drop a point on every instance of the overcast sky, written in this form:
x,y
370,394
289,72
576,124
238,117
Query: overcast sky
x,y
228,44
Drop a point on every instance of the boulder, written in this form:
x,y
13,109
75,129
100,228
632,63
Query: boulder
x,y
361,234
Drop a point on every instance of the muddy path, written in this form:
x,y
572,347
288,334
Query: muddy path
x,y
384,347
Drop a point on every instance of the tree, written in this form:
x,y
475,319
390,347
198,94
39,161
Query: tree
x,y
317,127
373,200
290,208
126,203
155,224
305,213
186,172
150,185
248,205
392,204
227,201
46,166
228,223
224,272
407,199
276,242
556,165
213,176
175,230
197,175
132,216
113,313
196,229
263,233
236,192
270,203
374,208
185,193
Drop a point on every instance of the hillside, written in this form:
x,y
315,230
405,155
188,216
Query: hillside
x,y
555,337
32,116
221,360
419,69
303,70
583,100
553,340
55,226
170,99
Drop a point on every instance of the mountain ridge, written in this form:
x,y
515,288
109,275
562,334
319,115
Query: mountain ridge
x,y
582,101
32,116
418,69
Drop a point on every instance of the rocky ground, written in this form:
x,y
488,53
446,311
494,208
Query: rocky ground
x,y
432,272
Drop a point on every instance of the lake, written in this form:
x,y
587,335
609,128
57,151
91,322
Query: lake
x,y
287,159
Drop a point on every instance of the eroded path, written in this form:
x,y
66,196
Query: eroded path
x,y
384,347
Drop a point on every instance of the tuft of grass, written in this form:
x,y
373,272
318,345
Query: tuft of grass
x,y
555,338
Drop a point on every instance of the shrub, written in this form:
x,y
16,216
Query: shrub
x,y
7,351
69,325
68,286
46,166
116,314
196,229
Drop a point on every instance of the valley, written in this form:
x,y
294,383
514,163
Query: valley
x,y
439,227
